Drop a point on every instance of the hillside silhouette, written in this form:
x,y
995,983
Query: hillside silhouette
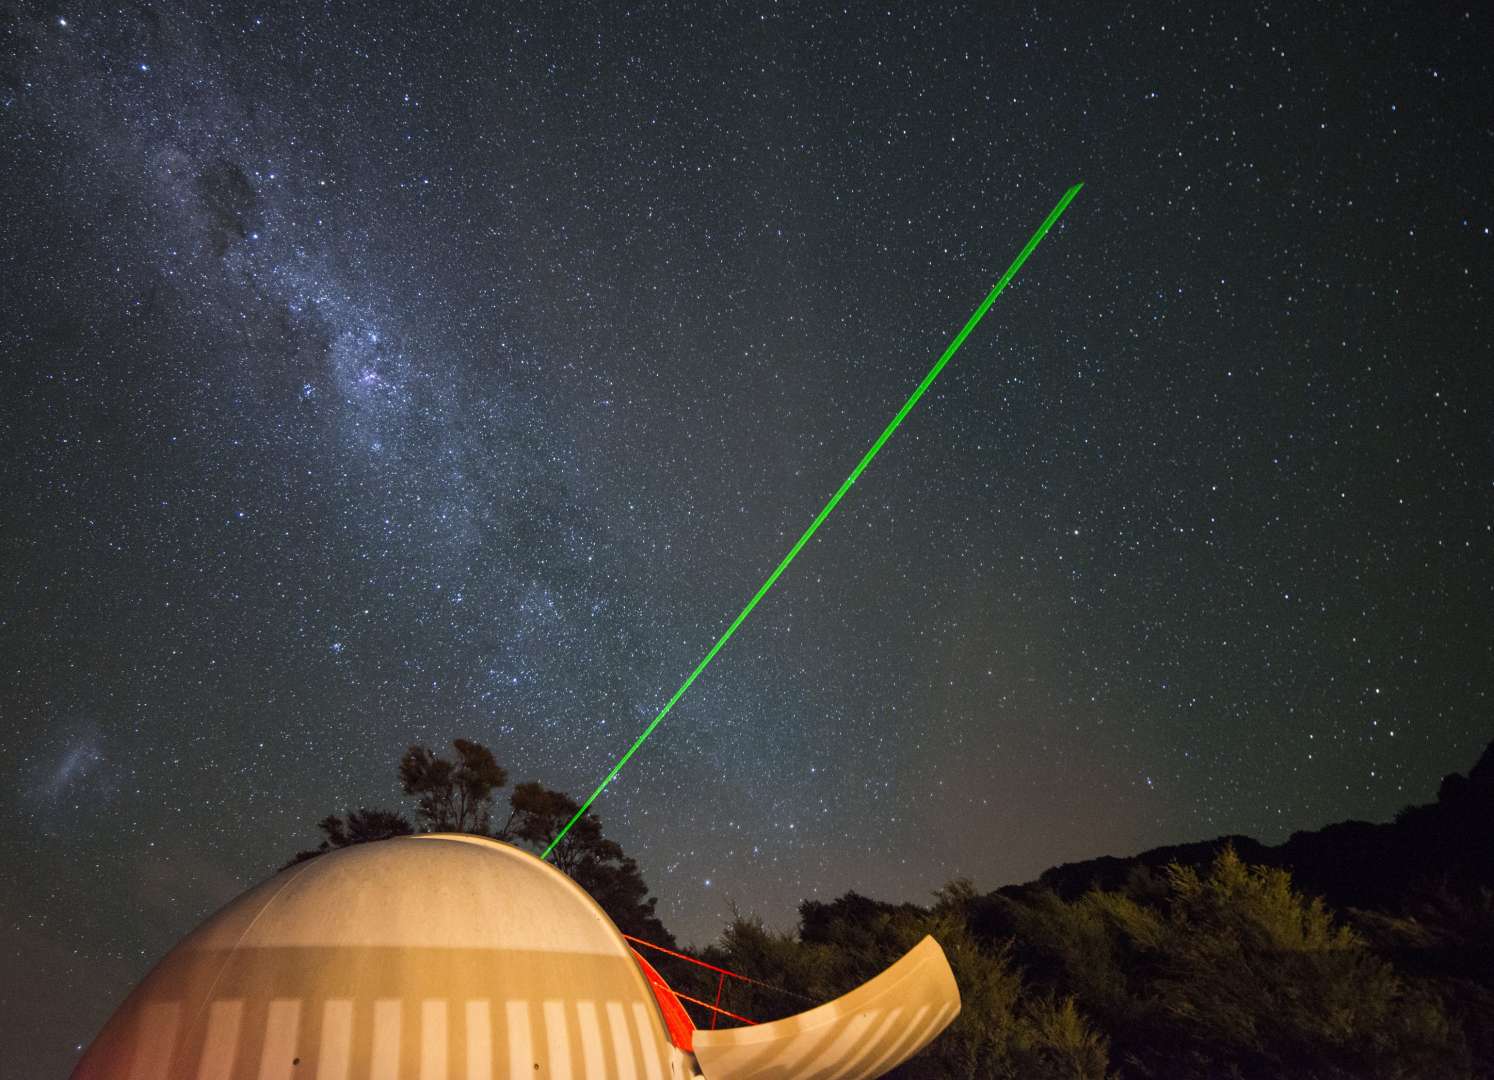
x,y
1350,864
1358,950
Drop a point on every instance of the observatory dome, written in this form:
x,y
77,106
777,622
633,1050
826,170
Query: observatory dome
x,y
448,955
415,956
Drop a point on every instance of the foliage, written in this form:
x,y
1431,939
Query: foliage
x,y
360,827
1444,940
1258,977
539,814
999,1032
456,795
1234,973
1056,1041
1182,973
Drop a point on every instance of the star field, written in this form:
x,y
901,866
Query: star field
x,y
384,374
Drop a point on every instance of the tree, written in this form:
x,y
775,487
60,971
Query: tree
x,y
454,796
596,863
360,827
457,796
539,813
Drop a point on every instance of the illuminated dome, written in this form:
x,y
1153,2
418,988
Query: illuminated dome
x,y
443,955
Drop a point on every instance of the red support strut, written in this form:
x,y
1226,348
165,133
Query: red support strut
x,y
716,1008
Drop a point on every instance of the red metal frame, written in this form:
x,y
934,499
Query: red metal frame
x,y
676,1020
669,998
708,1005
701,963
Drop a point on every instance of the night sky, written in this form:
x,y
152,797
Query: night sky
x,y
370,378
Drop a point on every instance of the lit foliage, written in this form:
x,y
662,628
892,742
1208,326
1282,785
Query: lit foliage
x,y
1234,973
1229,972
1002,1031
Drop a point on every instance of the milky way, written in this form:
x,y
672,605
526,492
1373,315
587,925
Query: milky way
x,y
388,374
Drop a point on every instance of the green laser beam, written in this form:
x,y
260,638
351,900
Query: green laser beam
x,y
1011,272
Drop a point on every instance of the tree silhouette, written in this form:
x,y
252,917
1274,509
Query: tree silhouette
x,y
360,827
456,795
596,863
539,813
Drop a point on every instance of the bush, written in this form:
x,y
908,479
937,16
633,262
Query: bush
x,y
998,1033
1234,973
1228,972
